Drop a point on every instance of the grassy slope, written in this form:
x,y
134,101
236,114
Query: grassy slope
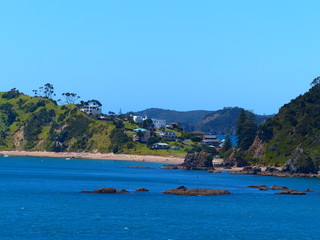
x,y
42,125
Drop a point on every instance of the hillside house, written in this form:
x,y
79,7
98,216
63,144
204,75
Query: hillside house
x,y
168,135
211,140
160,146
141,135
158,123
138,119
91,110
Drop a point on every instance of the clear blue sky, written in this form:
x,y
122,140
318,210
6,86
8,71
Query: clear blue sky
x,y
172,54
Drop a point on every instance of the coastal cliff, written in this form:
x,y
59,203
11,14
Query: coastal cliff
x,y
292,137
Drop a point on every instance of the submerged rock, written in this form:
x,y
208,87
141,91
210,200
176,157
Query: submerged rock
x,y
308,190
106,190
275,187
291,192
258,186
143,167
122,191
196,191
142,190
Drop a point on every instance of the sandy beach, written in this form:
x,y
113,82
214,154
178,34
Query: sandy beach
x,y
98,156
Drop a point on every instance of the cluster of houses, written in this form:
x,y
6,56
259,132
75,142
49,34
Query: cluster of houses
x,y
142,135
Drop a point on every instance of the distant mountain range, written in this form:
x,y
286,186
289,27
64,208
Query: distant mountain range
x,y
216,122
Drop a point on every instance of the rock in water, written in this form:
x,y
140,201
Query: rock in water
x,y
196,191
197,161
275,187
142,190
106,190
291,192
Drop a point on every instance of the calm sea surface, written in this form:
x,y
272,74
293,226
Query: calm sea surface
x,y
40,199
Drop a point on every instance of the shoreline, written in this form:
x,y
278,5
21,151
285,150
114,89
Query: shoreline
x,y
95,156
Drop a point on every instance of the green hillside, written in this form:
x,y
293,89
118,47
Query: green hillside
x,y
215,122
221,121
292,137
39,124
189,117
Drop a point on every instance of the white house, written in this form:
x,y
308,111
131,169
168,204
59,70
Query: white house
x,y
91,110
138,119
168,134
158,123
160,146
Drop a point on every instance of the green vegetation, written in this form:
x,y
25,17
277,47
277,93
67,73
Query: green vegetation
x,y
292,137
218,122
39,124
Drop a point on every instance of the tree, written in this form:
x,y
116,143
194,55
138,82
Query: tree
x,y
147,123
70,98
47,91
315,81
246,129
227,144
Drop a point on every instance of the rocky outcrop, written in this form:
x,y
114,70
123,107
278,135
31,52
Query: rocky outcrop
x,y
106,190
196,191
300,162
197,161
236,159
142,190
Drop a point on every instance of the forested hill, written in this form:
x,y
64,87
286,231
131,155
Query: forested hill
x,y
215,122
224,120
293,135
36,123
189,117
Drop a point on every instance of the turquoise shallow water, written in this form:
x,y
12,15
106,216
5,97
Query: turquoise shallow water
x,y
40,199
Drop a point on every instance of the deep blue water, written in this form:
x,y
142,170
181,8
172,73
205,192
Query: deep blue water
x,y
40,199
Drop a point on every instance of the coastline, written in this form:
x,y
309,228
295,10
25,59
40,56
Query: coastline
x,y
96,156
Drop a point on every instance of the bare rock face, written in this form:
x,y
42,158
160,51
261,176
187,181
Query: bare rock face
x,y
196,191
300,162
142,190
197,161
291,192
105,190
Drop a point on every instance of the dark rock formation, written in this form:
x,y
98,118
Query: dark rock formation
x,y
300,162
196,192
171,166
291,192
105,190
197,161
263,188
122,191
308,190
275,187
142,190
258,186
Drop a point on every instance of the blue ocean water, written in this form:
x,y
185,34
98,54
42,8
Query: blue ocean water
x,y
40,199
